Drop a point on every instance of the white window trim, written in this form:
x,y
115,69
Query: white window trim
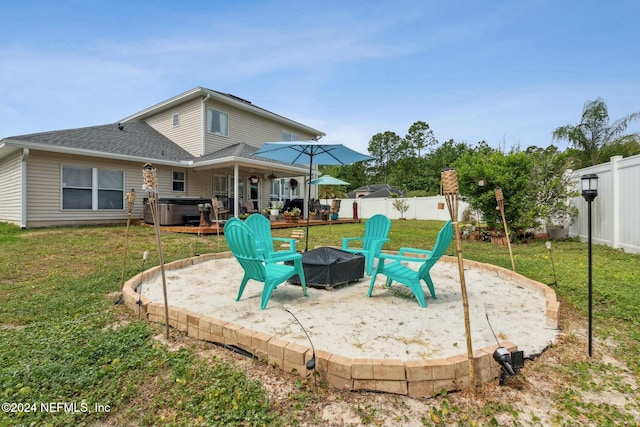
x,y
175,120
208,124
183,181
291,137
95,189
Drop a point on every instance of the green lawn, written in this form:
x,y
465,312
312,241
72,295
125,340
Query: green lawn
x,y
63,340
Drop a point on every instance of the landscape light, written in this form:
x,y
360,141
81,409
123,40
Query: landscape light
x,y
589,192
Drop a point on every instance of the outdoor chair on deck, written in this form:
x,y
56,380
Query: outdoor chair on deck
x,y
219,209
219,213
250,207
376,230
396,270
242,243
261,229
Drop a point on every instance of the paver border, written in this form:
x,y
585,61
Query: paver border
x,y
418,378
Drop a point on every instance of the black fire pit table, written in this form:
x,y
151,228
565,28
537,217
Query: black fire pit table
x,y
328,267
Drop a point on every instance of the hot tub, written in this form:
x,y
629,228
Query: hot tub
x,y
175,210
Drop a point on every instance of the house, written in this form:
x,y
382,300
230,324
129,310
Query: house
x,y
200,143
376,190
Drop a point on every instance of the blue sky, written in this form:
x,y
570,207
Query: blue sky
x,y
507,72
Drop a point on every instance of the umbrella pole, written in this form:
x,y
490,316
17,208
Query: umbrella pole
x,y
306,234
450,185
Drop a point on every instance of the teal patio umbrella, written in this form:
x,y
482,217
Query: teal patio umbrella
x,y
328,180
311,152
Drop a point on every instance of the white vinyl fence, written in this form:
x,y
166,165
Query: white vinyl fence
x,y
615,211
419,208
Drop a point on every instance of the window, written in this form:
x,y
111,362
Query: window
x,y
178,181
176,120
92,188
218,122
110,189
220,188
290,136
281,191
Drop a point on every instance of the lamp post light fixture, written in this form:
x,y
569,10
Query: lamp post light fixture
x,y
589,184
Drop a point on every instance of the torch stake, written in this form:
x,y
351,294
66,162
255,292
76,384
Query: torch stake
x,y
151,185
500,200
553,266
131,200
450,189
144,259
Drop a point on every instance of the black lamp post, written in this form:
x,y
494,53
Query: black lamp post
x,y
589,192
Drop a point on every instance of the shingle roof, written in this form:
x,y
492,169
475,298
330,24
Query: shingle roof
x,y
136,139
235,150
240,150
377,190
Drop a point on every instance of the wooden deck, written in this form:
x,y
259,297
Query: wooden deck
x,y
213,228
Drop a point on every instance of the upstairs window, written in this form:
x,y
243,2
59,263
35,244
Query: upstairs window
x,y
217,122
290,136
176,120
178,181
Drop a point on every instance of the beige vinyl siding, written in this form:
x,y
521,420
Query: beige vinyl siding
x,y
44,205
199,183
188,134
11,188
245,128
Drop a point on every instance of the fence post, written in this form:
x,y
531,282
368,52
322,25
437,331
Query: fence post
x,y
615,201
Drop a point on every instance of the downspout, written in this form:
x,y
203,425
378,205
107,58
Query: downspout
x,y
23,186
204,123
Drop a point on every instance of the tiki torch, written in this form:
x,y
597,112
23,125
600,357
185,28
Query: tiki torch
x,y
150,184
451,194
131,200
500,200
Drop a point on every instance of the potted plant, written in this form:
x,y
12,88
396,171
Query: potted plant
x,y
560,215
266,212
275,209
292,216
295,214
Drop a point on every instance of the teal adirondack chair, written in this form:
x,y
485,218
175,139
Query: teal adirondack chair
x,y
261,228
376,230
271,272
399,272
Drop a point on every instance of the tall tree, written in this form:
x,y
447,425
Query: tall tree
x,y
355,174
385,149
440,158
594,135
419,138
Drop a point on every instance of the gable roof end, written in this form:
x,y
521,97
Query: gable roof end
x,y
225,98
